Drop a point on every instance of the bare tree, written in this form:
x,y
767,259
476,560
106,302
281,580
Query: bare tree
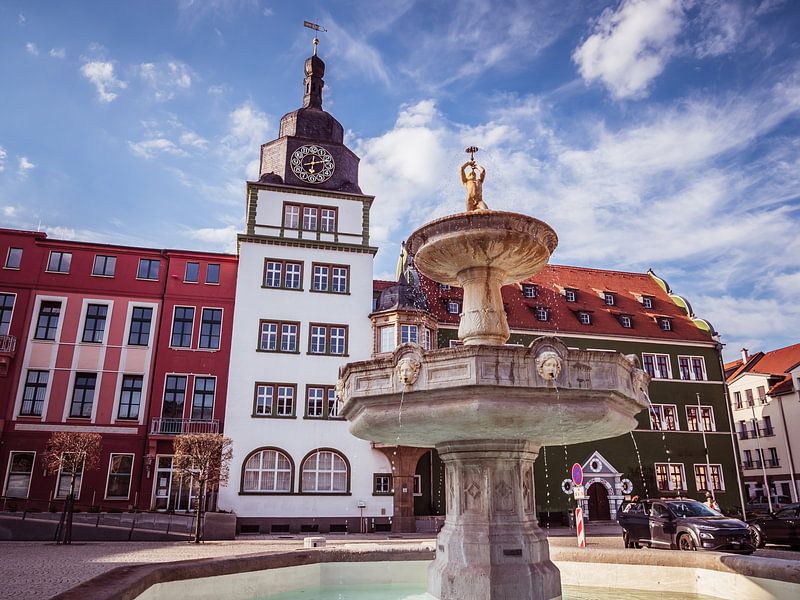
x,y
205,457
72,453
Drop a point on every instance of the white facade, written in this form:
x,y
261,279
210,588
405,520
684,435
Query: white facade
x,y
271,238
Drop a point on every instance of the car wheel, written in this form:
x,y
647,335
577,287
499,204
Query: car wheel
x,y
756,537
685,542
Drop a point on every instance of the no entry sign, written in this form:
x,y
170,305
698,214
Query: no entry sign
x,y
577,474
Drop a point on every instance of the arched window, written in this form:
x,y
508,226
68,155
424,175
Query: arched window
x,y
325,471
267,470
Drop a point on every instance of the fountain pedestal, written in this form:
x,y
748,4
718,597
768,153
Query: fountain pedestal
x,y
491,545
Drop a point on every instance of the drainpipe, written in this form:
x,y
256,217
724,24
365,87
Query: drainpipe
x,y
788,449
718,348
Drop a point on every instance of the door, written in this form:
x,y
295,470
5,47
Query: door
x,y
173,491
599,509
778,527
662,525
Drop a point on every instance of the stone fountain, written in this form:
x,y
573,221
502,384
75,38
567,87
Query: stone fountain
x,y
488,408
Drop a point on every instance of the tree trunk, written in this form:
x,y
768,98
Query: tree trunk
x,y
199,512
70,510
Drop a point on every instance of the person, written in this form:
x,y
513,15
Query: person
x,y
473,178
710,502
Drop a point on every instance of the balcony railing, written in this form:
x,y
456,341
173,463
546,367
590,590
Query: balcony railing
x,y
744,434
8,344
164,426
767,431
751,464
772,463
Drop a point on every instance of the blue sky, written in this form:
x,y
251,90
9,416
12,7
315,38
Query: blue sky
x,y
649,133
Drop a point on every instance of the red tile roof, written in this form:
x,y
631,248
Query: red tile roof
x,y
777,362
590,285
785,386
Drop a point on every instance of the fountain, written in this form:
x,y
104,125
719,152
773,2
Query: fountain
x,y
486,407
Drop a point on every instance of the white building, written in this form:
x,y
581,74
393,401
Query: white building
x,y
303,297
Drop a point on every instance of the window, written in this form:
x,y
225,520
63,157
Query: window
x,y
766,430
321,402
210,328
65,482
664,417
453,307
692,368
647,301
130,397
278,336
417,485
192,274
182,325
314,218
529,291
762,394
382,484
325,472
747,463
443,287
267,471
609,298
330,278
283,274
701,478
95,323
203,398
749,395
542,313
737,397
328,220
657,365
665,323
118,485
428,344
104,266
34,393
6,310
212,273
59,262
148,269
704,416
47,323
585,318
174,397
625,321
291,216
772,462
408,334
670,476
274,400
14,258
310,218
20,469
327,339
83,395
139,334
387,339
570,295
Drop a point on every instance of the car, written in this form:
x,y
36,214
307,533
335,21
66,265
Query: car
x,y
779,527
682,524
760,505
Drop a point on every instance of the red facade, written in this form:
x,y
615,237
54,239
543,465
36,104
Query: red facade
x,y
84,346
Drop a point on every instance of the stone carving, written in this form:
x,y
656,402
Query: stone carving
x,y
407,370
527,490
639,379
504,494
548,365
583,375
472,496
472,176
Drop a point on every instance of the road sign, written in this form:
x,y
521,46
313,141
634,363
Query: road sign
x,y
577,474
579,527
579,492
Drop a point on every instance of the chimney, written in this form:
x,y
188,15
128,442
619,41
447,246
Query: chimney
x,y
745,355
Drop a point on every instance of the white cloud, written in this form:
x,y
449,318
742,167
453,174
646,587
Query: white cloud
x,y
217,90
219,238
357,53
21,19
24,166
32,49
153,147
10,211
630,46
58,53
267,12
191,139
101,74
247,129
3,155
167,78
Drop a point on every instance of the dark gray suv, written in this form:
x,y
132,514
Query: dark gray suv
x,y
682,524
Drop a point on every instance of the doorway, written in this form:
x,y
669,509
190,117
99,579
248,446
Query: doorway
x,y
173,491
599,509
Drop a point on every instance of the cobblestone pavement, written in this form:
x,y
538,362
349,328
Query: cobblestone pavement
x,y
37,570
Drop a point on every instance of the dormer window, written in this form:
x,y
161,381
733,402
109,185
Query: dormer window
x,y
542,313
570,295
443,287
626,321
647,301
665,323
610,298
585,318
529,290
453,307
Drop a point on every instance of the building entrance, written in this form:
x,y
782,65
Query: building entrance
x,y
599,509
173,491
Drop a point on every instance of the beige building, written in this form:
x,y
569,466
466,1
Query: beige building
x,y
764,391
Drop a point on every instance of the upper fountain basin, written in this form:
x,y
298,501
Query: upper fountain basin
x,y
545,393
517,245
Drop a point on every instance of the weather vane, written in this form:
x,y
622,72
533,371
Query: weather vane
x,y
315,27
471,150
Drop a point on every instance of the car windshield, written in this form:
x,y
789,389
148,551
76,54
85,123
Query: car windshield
x,y
690,508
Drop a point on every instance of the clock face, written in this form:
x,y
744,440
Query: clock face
x,y
313,164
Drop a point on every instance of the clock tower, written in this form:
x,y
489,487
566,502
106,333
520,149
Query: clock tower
x,y
309,150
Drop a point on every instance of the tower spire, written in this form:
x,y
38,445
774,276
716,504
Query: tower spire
x,y
315,71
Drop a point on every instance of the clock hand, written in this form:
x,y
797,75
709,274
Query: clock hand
x,y
314,161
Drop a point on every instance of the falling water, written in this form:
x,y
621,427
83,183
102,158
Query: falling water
x,y
641,468
547,490
663,433
400,415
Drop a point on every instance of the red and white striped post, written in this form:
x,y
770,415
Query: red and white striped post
x,y
579,527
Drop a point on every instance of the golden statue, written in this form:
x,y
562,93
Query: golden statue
x,y
472,176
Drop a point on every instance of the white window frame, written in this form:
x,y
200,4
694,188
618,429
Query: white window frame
x,y
542,314
410,332
387,338
130,475
8,255
660,412
272,470
333,471
656,370
105,264
8,472
609,298
570,295
60,262
528,290
647,302
708,476
263,397
665,323
585,318
692,375
78,483
453,307
626,321
670,485
690,407
417,483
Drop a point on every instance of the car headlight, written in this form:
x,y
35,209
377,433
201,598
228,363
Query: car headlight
x,y
706,536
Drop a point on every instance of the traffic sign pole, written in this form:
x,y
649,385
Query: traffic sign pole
x,y
579,527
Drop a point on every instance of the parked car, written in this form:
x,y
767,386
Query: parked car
x,y
779,527
760,505
682,524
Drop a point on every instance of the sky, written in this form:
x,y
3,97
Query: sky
x,y
649,133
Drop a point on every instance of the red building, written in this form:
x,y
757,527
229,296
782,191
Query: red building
x,y
81,330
